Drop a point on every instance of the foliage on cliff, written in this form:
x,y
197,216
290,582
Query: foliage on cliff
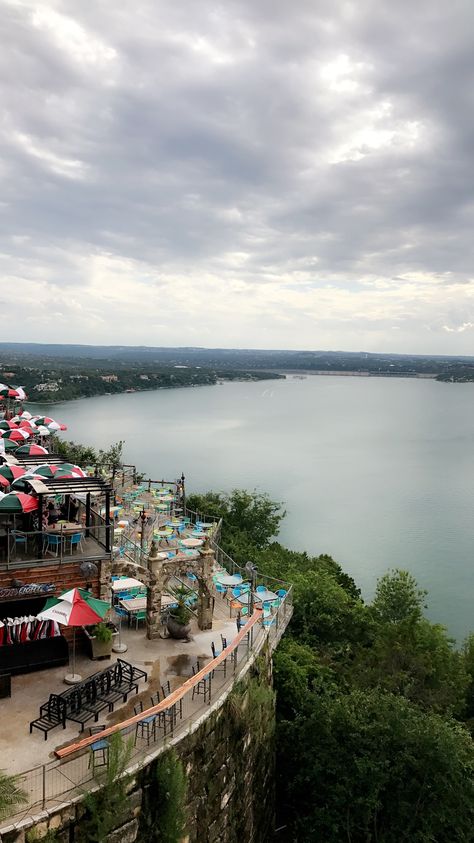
x,y
373,701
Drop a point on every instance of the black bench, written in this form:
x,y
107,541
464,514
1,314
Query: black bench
x,y
52,714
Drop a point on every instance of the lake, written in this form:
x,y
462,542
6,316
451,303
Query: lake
x,y
378,473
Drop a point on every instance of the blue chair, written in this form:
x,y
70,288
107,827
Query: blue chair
x,y
53,544
75,540
236,592
260,588
282,593
147,726
99,750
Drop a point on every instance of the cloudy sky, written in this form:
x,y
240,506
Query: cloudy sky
x,y
244,173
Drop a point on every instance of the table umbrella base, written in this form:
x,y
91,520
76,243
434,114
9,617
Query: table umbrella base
x,y
119,648
72,678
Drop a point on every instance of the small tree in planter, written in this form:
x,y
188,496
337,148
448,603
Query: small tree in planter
x,y
100,639
179,618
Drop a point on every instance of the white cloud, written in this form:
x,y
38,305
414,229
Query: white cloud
x,y
250,174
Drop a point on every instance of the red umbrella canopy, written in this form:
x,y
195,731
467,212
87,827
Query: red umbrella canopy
x,y
4,483
34,450
78,471
71,610
16,435
6,424
18,502
11,472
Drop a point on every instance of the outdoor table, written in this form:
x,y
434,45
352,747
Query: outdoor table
x,y
205,526
64,528
191,542
244,598
266,596
138,604
125,583
230,579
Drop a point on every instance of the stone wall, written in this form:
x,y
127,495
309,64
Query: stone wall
x,y
229,763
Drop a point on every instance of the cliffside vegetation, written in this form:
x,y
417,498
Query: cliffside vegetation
x,y
375,705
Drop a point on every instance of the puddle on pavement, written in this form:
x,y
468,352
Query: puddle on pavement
x,y
180,665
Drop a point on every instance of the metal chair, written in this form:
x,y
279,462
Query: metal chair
x,y
99,750
147,726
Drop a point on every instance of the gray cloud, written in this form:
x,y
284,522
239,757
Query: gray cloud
x,y
259,173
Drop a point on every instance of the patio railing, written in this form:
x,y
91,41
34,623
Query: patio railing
x,y
72,774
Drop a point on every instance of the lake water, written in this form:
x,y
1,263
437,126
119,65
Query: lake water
x,y
377,473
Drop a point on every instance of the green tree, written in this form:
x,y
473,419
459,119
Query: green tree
x,y
11,794
107,806
398,598
251,519
369,766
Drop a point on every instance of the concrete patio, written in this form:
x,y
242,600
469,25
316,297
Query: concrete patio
x,y
163,660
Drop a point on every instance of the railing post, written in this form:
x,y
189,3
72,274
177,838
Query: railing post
x,y
44,786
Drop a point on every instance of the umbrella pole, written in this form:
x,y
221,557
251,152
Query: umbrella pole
x,y
73,678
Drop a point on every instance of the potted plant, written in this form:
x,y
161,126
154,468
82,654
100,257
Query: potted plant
x,y
178,622
100,639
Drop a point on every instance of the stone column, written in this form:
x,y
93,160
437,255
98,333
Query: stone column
x,y
153,600
105,575
206,598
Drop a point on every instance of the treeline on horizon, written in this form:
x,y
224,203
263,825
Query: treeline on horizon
x,y
143,358
67,382
375,705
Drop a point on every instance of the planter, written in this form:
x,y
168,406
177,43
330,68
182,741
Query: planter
x,y
177,630
99,649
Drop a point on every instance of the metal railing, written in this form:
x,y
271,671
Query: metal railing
x,y
26,548
72,774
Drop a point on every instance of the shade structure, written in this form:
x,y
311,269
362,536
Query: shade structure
x,y
10,445
24,415
52,424
65,474
4,483
78,471
16,434
11,472
6,424
75,607
18,502
32,450
22,484
46,470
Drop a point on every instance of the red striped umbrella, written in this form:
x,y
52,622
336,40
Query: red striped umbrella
x,y
18,502
6,424
16,435
11,472
31,450
4,483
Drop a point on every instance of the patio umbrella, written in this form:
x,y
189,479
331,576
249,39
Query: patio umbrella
x,y
49,422
18,502
12,472
46,470
75,468
41,430
65,473
8,425
11,445
16,435
34,450
74,608
21,484
4,483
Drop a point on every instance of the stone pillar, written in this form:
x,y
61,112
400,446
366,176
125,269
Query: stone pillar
x,y
153,600
105,574
206,598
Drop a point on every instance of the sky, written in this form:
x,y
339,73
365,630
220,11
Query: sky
x,y
247,173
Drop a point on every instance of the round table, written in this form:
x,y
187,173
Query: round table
x,y
191,542
230,579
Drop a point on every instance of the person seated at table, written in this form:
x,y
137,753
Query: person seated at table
x,y
53,514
